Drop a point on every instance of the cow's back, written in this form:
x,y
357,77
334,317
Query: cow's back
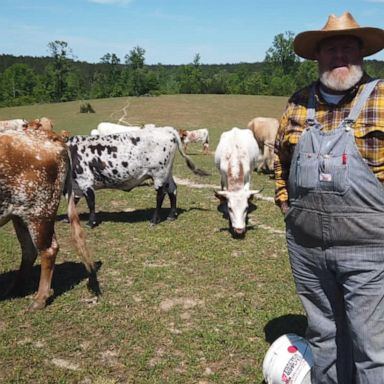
x,y
236,139
122,160
264,129
32,174
106,128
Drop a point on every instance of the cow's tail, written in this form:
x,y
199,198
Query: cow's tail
x,y
78,234
188,160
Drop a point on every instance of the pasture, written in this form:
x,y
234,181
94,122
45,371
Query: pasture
x,y
183,302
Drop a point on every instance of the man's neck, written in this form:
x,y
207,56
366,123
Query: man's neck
x,y
332,91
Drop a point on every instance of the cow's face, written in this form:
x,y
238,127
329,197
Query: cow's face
x,y
237,205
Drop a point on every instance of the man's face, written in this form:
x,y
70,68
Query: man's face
x,y
340,62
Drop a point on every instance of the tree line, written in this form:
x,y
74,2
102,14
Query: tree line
x,y
59,77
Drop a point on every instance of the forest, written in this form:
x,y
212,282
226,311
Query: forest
x,y
59,77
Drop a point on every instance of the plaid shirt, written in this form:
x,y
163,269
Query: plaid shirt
x,y
368,129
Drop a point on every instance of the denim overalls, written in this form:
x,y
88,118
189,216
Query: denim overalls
x,y
335,238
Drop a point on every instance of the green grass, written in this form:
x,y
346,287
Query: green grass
x,y
183,302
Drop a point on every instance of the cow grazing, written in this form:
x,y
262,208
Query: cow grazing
x,y
265,129
196,136
34,170
124,161
235,157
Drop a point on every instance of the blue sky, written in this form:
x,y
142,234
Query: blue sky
x,y
170,31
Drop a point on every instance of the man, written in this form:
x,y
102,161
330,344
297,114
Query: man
x,y
329,185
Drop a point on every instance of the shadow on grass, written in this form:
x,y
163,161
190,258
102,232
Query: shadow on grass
x,y
285,324
136,216
197,153
65,277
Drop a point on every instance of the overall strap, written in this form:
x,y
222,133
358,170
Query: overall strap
x,y
311,111
358,106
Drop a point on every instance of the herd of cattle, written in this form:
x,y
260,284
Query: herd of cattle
x,y
38,166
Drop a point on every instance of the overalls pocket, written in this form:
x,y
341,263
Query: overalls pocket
x,y
307,170
333,173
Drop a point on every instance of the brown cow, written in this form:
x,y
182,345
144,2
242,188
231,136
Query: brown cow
x,y
34,170
265,129
46,125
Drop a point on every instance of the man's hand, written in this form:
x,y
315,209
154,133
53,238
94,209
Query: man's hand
x,y
284,207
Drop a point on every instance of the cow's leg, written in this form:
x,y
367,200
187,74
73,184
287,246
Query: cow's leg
x,y
159,202
205,149
171,190
47,247
90,198
28,257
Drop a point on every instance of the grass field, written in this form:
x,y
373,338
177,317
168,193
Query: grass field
x,y
183,302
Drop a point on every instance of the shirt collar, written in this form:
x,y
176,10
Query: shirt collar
x,y
349,95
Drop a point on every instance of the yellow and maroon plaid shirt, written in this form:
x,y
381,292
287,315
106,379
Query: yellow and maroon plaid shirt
x,y
368,129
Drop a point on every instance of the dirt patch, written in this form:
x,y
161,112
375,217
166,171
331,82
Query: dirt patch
x,y
185,302
65,364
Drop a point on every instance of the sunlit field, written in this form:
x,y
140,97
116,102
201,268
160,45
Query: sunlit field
x,y
183,301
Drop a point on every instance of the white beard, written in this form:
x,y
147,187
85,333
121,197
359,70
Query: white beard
x,y
342,83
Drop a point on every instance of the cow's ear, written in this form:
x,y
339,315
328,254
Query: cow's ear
x,y
221,195
252,193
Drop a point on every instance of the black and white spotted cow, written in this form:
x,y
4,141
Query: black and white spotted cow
x,y
125,160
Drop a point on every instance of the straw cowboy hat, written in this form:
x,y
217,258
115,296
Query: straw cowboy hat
x,y
306,43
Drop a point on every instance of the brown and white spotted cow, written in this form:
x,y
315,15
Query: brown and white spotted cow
x,y
18,124
196,136
34,170
123,161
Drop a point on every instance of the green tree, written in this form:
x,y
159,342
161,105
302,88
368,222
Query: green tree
x,y
111,80
136,58
254,84
218,83
374,68
17,85
281,54
306,73
138,79
57,72
191,77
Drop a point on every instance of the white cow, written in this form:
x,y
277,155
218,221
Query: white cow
x,y
265,130
106,128
196,136
123,161
235,157
17,124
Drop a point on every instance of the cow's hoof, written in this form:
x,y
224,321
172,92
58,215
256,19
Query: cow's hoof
x,y
154,221
92,224
171,218
37,305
